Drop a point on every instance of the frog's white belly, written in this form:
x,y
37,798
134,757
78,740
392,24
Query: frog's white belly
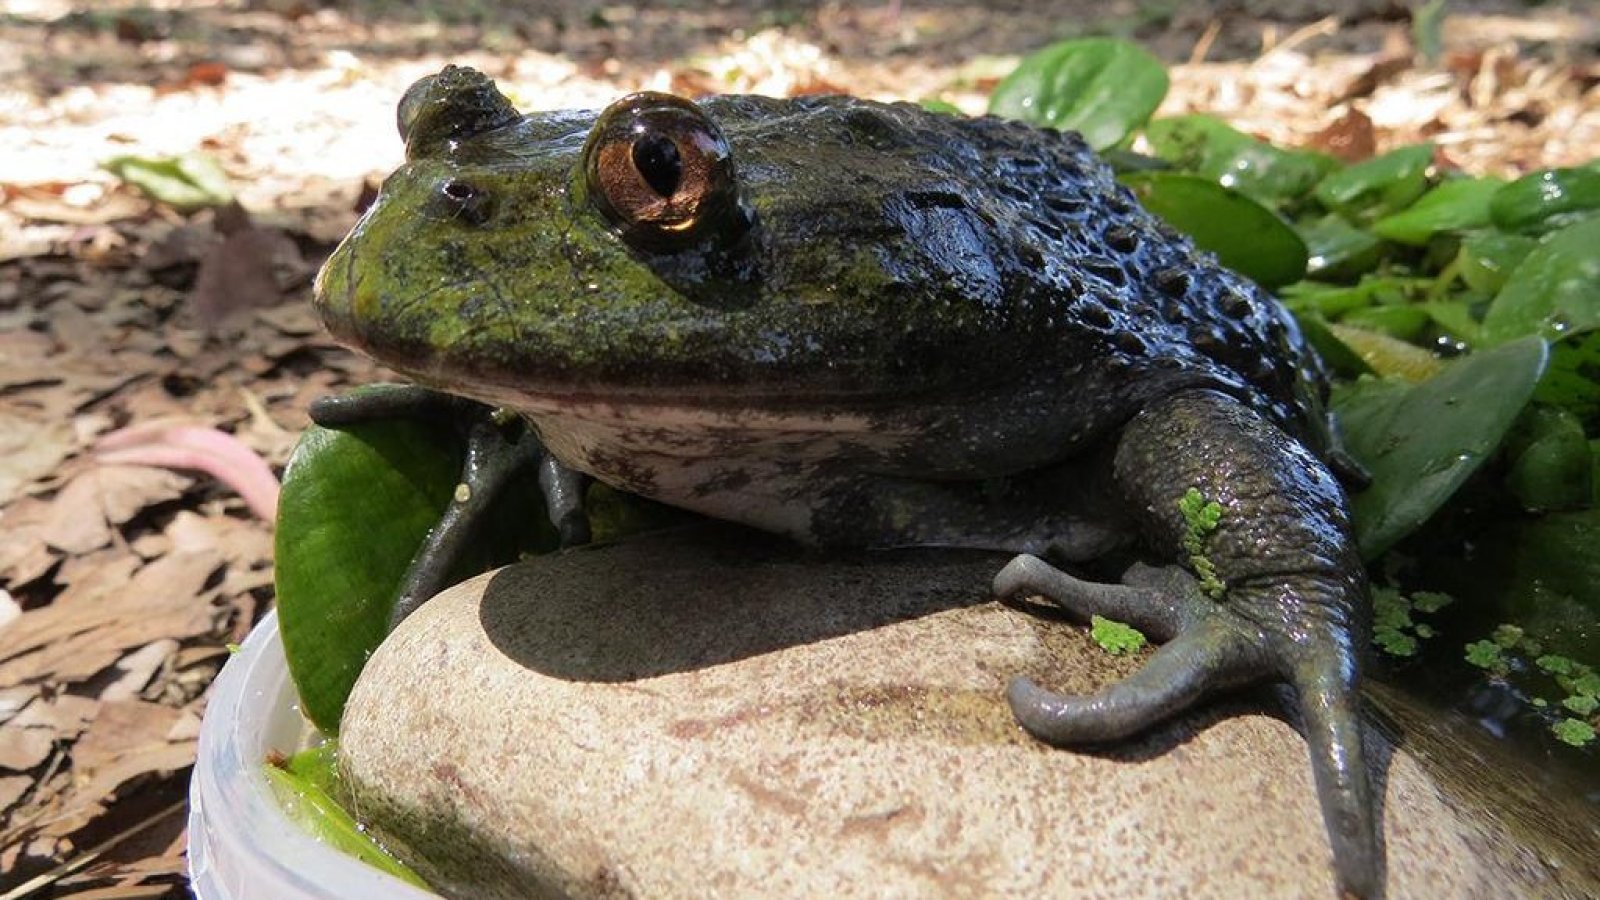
x,y
761,468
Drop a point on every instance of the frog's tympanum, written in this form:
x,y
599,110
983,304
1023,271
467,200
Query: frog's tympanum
x,y
871,325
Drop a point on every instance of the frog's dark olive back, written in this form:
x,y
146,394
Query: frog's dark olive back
x,y
1022,224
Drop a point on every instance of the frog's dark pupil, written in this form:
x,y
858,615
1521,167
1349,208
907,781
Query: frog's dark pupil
x,y
656,158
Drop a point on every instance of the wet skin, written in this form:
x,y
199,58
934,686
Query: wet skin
x,y
870,325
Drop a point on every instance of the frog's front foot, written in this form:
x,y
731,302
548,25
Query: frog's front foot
x,y
499,448
1214,645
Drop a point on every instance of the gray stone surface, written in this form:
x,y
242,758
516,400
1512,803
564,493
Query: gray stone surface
x,y
696,715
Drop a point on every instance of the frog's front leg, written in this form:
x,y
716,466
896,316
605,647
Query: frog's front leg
x,y
1286,600
499,448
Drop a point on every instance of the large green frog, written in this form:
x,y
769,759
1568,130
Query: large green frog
x,y
871,325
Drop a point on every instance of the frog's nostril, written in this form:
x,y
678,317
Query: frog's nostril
x,y
465,203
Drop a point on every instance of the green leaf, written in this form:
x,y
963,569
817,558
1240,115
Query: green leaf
x,y
1551,466
308,805
1421,442
1556,290
1101,87
1404,323
1385,355
1575,732
1488,258
934,104
355,505
1582,705
1245,236
1339,356
1337,250
1208,146
1546,200
1487,655
1379,185
1457,205
1115,637
1573,380
1427,29
186,183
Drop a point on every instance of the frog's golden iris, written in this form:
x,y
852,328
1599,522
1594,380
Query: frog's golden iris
x,y
661,171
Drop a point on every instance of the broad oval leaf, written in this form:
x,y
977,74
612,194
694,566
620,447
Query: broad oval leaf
x,y
1102,88
1554,292
1246,236
1206,145
1489,257
1337,250
1552,467
1457,205
1380,185
1420,442
355,505
1546,200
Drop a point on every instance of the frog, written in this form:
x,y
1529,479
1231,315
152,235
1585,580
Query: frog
x,y
872,325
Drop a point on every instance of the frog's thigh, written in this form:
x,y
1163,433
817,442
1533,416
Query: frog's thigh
x,y
897,512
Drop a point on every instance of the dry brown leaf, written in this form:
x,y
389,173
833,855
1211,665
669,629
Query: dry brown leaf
x,y
28,449
22,749
12,789
122,727
1349,138
76,523
73,641
26,741
134,670
237,276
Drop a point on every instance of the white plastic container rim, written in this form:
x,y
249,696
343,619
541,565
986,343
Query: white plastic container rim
x,y
241,844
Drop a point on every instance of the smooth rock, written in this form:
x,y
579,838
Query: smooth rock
x,y
701,713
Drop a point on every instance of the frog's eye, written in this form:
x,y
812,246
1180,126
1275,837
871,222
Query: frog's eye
x,y
661,171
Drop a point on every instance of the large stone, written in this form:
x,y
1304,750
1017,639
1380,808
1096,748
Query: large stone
x,y
703,714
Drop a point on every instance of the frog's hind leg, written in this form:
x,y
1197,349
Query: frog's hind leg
x,y
1285,599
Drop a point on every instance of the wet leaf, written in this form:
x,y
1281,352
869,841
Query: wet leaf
x,y
1421,442
1555,292
1546,200
301,789
1206,145
355,505
1245,236
1101,87
1456,205
1488,258
1337,250
1572,381
1551,465
1338,355
1380,185
1387,356
186,183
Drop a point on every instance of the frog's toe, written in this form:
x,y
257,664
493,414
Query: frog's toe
x,y
1147,605
1205,658
1330,709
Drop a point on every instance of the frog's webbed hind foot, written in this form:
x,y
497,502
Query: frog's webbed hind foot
x,y
1200,655
499,448
1210,647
